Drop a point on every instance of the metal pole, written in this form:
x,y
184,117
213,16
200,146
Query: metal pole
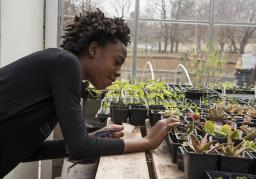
x,y
134,54
44,23
211,23
0,34
60,21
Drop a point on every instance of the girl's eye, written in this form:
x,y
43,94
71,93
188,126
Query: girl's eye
x,y
118,62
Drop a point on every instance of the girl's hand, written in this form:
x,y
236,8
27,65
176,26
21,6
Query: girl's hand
x,y
157,134
159,131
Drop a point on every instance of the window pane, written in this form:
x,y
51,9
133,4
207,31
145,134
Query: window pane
x,y
165,45
243,11
111,8
235,43
175,9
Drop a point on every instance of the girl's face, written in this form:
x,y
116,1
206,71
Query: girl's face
x,y
105,64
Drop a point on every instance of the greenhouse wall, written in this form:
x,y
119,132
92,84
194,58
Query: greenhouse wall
x,y
21,28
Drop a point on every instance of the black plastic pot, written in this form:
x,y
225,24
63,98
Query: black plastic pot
x,y
137,106
238,118
138,116
253,169
195,164
195,94
180,162
173,146
119,113
102,117
156,107
154,116
237,175
218,90
236,164
221,139
217,174
239,124
235,91
228,175
181,136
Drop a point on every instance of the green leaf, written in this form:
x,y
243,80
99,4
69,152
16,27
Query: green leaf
x,y
225,129
209,127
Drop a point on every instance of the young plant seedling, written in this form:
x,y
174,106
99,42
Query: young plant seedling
x,y
249,132
216,114
232,150
201,146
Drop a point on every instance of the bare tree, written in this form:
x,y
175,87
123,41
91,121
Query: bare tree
x,y
236,11
180,9
121,8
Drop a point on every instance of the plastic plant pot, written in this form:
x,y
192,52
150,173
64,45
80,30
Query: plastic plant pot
x,y
195,164
138,116
217,175
173,146
242,176
181,137
102,117
253,169
236,164
228,175
154,116
220,138
218,90
252,124
238,118
195,94
180,162
119,113
156,107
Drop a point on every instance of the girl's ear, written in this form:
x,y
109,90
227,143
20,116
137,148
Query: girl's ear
x,y
93,49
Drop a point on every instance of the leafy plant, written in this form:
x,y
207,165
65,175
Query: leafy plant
x,y
241,177
206,67
249,132
157,92
216,113
135,93
209,127
201,146
171,113
116,91
232,150
222,131
250,145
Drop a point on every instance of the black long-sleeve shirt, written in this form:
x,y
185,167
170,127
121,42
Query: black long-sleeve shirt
x,y
36,92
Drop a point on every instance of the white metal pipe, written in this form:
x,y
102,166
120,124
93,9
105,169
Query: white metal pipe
x,y
186,72
151,70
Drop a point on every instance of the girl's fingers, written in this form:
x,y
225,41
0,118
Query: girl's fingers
x,y
170,125
173,120
116,135
117,127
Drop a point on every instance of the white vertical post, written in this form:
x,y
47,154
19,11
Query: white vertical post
x,y
51,41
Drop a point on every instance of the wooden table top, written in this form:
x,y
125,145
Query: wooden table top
x,y
134,165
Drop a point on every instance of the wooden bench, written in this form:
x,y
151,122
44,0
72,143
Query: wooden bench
x,y
137,165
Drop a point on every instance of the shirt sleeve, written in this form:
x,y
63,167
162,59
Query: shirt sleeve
x,y
66,89
50,149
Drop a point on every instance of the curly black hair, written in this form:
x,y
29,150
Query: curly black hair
x,y
94,26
